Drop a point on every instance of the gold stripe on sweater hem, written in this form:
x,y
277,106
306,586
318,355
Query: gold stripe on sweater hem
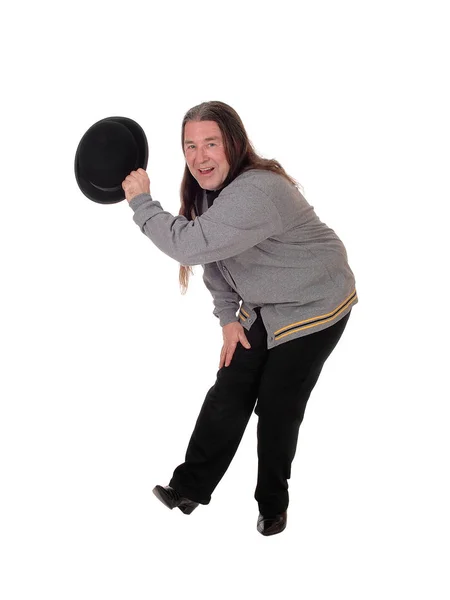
x,y
313,321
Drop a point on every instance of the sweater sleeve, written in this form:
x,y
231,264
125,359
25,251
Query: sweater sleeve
x,y
225,299
241,217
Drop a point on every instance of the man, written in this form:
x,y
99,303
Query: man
x,y
260,243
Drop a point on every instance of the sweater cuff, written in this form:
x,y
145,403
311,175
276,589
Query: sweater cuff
x,y
139,200
227,316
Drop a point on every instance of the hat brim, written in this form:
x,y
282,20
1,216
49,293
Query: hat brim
x,y
114,194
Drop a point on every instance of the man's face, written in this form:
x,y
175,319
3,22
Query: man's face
x,y
203,148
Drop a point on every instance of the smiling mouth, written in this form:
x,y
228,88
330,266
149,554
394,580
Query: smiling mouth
x,y
206,171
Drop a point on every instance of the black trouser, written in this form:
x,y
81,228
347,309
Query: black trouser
x,y
281,379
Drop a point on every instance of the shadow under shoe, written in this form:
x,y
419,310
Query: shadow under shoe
x,y
172,499
272,525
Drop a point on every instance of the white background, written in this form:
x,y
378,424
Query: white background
x,y
105,364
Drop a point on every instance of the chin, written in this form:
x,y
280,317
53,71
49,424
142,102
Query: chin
x,y
206,187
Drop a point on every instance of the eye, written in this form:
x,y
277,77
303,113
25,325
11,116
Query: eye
x,y
211,144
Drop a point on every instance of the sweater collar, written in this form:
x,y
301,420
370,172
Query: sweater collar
x,y
211,195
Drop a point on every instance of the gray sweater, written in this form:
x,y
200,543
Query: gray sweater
x,y
260,244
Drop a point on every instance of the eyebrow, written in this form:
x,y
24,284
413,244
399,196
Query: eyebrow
x,y
208,139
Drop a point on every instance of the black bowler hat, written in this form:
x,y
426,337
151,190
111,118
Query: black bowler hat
x,y
106,154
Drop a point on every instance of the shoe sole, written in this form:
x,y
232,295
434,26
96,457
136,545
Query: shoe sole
x,y
186,506
163,497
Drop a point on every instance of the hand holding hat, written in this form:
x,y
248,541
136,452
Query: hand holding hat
x,y
137,182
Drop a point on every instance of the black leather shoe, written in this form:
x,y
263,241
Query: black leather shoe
x,y
171,498
272,525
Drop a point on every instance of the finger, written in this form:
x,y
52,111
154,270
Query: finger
x,y
229,357
222,358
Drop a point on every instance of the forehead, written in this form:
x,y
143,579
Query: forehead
x,y
199,130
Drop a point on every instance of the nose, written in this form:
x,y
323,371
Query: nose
x,y
201,156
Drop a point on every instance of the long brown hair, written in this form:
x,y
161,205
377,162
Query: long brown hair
x,y
240,155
